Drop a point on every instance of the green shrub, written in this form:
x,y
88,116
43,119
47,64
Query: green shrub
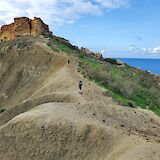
x,y
129,89
154,92
110,60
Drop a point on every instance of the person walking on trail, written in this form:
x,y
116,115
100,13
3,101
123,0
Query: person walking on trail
x,y
80,86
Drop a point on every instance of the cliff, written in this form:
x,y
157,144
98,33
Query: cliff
x,y
23,26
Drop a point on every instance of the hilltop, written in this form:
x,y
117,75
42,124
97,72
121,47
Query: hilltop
x,y
45,117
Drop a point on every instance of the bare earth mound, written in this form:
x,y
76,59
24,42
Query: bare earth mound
x,y
46,117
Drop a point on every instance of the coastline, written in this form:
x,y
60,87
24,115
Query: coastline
x,y
150,65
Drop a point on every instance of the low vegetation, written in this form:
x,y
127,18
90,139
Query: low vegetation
x,y
127,85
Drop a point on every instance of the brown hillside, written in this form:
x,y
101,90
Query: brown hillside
x,y
47,118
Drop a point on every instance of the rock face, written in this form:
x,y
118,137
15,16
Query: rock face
x,y
90,53
23,26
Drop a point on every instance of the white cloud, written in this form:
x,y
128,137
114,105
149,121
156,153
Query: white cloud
x,y
146,51
112,3
155,50
56,12
134,49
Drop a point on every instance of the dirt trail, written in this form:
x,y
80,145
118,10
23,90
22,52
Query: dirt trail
x,y
56,122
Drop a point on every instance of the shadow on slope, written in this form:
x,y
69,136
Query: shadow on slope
x,y
24,65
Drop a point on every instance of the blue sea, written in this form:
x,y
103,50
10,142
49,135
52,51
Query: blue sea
x,y
152,65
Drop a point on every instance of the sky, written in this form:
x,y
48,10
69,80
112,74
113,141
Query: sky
x,y
116,28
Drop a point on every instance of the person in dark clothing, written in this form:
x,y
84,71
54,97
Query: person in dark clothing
x,y
80,85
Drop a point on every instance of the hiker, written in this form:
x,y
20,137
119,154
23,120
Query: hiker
x,y
68,61
80,85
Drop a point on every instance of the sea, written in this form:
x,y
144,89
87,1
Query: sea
x,y
152,65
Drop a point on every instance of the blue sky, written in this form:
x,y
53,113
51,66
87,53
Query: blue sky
x,y
117,28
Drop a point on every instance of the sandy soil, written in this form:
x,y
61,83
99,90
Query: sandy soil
x,y
53,121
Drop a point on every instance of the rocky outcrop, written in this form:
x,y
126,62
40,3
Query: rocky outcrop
x,y
38,27
23,26
98,56
92,54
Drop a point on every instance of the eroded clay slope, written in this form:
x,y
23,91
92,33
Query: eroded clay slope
x,y
47,118
24,65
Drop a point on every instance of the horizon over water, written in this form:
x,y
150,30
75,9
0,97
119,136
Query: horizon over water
x,y
152,65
